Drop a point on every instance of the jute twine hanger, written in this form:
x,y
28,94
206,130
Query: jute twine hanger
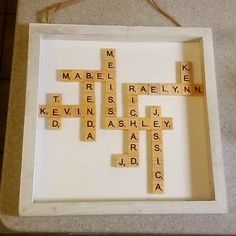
x,y
47,13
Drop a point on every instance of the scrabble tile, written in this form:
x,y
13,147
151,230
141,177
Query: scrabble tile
x,y
157,160
44,111
88,134
154,111
131,99
54,98
156,123
108,53
110,110
145,123
88,110
55,112
109,75
157,174
187,90
109,98
133,123
89,75
132,135
118,160
176,89
131,111
108,65
110,123
110,86
76,110
53,123
133,149
165,89
156,136
154,89
167,123
87,87
88,122
131,89
99,76
88,98
122,123
157,148
186,72
198,90
132,161
143,88
158,187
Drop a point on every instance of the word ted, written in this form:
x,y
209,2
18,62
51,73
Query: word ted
x,y
131,123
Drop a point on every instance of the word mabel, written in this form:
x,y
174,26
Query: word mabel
x,y
131,123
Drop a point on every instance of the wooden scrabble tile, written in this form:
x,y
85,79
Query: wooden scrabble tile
x,y
131,99
110,75
156,136
110,123
99,76
110,86
157,174
133,149
198,90
131,111
55,112
132,161
110,110
131,89
88,134
157,160
44,111
119,160
122,123
154,111
132,135
145,123
54,98
133,123
157,148
165,89
108,65
70,75
89,75
186,72
88,110
88,98
88,122
158,187
76,111
53,123
143,88
109,98
154,89
87,87
156,123
108,53
176,89
187,90
167,123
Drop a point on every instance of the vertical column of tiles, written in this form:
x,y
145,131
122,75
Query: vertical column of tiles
x,y
186,78
54,103
88,103
109,68
156,165
131,112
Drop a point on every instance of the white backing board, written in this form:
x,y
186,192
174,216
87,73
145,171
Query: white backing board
x,y
67,169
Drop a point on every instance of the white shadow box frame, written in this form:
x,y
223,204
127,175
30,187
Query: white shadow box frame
x,y
61,175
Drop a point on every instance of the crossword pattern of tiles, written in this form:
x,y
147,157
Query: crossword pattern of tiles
x,y
154,123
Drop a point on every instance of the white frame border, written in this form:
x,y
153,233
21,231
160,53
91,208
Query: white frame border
x,y
29,208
